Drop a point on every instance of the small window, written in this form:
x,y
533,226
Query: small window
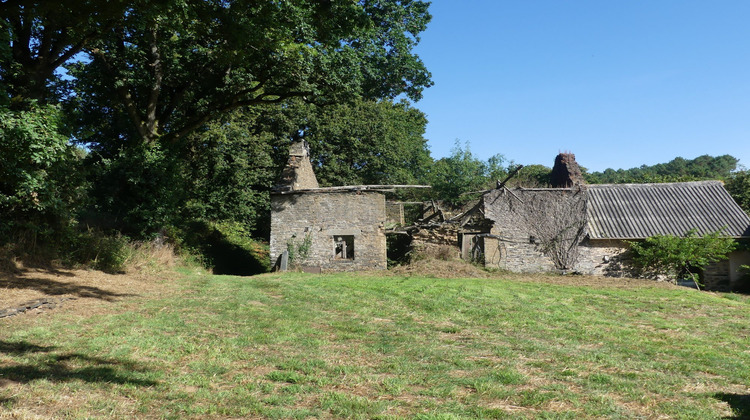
x,y
343,247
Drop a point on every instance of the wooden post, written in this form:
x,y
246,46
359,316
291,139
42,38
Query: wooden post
x,y
284,261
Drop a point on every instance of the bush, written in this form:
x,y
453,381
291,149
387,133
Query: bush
x,y
138,192
681,257
108,253
40,178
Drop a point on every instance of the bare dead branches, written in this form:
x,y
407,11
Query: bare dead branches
x,y
557,221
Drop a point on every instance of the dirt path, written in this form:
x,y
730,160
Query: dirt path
x,y
28,291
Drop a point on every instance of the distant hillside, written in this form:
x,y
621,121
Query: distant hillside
x,y
676,170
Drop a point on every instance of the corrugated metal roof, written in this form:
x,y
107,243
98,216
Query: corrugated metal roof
x,y
635,211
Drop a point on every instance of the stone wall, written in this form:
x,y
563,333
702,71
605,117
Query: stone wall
x,y
604,257
439,241
738,276
324,216
394,213
716,276
512,246
727,275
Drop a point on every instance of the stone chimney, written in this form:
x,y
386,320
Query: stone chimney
x,y
566,173
298,173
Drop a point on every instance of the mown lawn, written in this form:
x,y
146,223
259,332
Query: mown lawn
x,y
339,346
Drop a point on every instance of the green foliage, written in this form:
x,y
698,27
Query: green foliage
x,y
140,189
738,185
161,86
228,169
142,78
367,142
38,37
108,253
298,250
677,170
531,176
186,108
227,247
40,179
462,173
681,257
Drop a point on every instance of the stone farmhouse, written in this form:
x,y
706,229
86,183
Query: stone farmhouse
x,y
326,229
609,217
512,228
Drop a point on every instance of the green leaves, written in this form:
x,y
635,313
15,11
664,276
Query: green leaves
x,y
153,84
174,66
738,185
228,170
367,142
41,182
681,256
32,155
462,172
677,170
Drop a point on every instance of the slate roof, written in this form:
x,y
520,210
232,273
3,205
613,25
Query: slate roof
x,y
637,211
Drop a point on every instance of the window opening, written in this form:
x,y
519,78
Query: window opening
x,y
344,247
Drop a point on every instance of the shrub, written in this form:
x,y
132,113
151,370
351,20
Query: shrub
x,y
140,189
90,248
681,257
40,178
298,250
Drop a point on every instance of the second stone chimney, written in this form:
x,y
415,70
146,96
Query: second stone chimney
x,y
566,173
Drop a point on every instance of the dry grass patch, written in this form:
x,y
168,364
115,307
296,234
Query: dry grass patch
x,y
89,291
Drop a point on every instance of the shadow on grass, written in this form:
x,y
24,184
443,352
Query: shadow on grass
x,y
226,254
52,287
739,403
19,348
52,366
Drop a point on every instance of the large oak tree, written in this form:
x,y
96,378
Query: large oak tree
x,y
152,82
168,69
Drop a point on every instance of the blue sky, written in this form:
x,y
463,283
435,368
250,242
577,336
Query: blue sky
x,y
620,83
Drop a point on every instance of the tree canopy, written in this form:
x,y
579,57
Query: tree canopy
x,y
738,186
453,177
185,107
367,142
170,67
677,170
38,37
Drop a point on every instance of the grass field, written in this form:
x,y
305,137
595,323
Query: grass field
x,y
341,346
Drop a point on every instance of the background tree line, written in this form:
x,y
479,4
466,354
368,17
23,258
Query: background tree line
x,y
172,118
725,167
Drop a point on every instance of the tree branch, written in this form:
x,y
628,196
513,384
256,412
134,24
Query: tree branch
x,y
21,52
200,121
158,74
124,93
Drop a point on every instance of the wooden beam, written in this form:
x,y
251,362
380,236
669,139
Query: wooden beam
x,y
384,188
